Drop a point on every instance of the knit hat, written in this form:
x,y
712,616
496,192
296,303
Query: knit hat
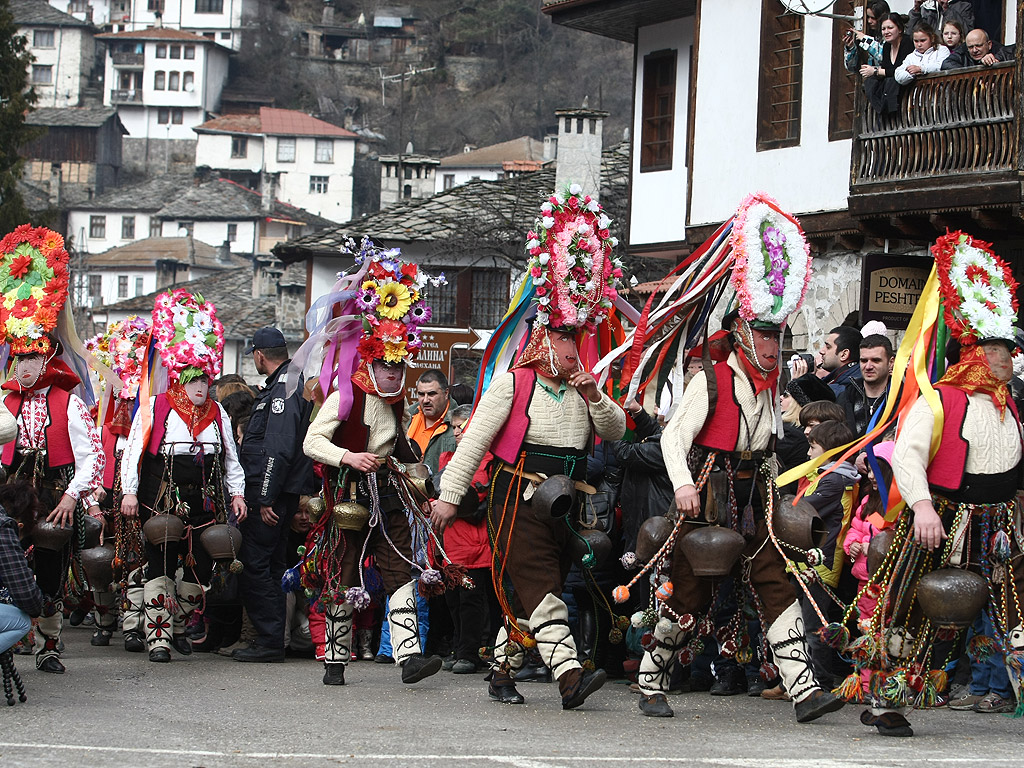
x,y
188,336
809,388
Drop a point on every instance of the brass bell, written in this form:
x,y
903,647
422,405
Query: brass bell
x,y
422,479
599,543
652,536
799,526
161,529
712,550
554,497
350,515
51,537
952,597
878,548
316,506
221,542
93,529
98,564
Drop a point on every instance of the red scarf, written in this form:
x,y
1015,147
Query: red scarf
x,y
55,374
972,374
196,417
758,378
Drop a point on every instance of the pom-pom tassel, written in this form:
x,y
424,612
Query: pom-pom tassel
x,y
629,561
895,690
456,576
358,597
431,583
1001,546
291,581
876,685
620,594
982,648
835,635
851,689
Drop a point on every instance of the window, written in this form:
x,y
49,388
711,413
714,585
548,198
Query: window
x,y
387,170
188,80
138,286
98,227
190,51
163,116
407,172
318,185
209,6
658,111
325,150
239,146
568,125
154,6
407,192
173,81
225,35
419,172
286,150
593,126
779,83
155,227
42,74
161,51
95,286
579,125
176,116
175,51
127,227
42,38
449,180
844,83
122,286
159,80
188,226
232,232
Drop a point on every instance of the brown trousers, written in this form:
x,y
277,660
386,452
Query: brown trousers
x,y
393,569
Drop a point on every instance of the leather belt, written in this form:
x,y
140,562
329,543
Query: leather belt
x,y
537,479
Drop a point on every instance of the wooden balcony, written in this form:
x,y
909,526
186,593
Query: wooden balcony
x,y
126,96
128,59
950,157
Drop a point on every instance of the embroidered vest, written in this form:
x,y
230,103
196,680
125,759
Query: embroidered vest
x,y
59,452
721,430
161,410
946,470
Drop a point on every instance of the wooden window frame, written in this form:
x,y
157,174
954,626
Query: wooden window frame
x,y
655,124
843,83
777,24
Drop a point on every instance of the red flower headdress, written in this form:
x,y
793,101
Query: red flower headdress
x,y
34,281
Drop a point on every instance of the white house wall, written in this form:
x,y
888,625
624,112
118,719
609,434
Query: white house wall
x,y
110,279
293,182
658,198
78,230
214,150
462,175
215,233
71,60
813,176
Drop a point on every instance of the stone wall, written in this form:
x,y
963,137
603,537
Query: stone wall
x,y
154,157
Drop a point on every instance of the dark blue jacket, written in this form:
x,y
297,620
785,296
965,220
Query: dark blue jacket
x,y
271,453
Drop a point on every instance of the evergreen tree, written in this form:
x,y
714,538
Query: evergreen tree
x,y
15,101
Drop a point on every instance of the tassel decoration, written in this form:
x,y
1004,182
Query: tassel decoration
x,y
851,689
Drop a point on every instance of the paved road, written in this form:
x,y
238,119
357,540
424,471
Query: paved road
x,y
117,709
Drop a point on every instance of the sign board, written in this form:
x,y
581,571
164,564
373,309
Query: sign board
x,y
438,344
891,288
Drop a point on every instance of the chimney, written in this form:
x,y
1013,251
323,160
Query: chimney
x,y
191,248
268,192
578,155
224,253
55,185
327,19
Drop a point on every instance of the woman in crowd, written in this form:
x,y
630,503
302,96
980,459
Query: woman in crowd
x,y
870,42
953,36
880,81
927,56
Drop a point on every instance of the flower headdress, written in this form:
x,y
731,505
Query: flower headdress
x,y
188,336
34,284
979,294
772,263
390,296
574,274
125,344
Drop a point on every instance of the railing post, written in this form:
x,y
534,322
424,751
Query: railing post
x,y
1018,102
859,102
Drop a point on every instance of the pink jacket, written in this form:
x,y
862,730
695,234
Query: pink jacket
x,y
860,532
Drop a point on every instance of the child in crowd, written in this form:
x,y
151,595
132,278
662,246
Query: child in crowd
x,y
819,411
831,492
953,35
926,57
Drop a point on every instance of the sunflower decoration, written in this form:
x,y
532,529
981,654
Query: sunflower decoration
x,y
390,295
34,281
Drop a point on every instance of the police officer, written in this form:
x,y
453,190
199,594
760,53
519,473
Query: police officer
x,y
276,472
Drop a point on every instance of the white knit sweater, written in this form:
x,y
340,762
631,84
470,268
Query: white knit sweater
x,y
562,424
376,412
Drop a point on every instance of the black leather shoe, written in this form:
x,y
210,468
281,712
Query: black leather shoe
x,y
655,705
533,671
576,685
888,723
51,664
383,658
334,674
502,688
255,653
755,686
728,685
418,666
181,644
133,642
100,638
817,704
77,616
160,655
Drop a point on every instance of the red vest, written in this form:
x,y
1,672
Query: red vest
x,y
353,434
509,440
58,442
721,430
161,410
946,470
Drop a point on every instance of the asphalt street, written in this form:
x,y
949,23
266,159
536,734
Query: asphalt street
x,y
117,709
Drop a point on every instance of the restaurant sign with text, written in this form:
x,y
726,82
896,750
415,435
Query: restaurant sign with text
x,y
891,287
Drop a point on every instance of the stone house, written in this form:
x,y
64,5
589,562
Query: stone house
x,y
63,52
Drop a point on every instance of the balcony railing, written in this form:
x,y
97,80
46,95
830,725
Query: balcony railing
x,y
127,59
948,124
123,96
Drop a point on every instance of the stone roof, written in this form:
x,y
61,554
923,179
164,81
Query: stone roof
x,y
223,199
274,122
231,293
523,148
74,117
146,252
483,211
158,33
149,195
41,13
